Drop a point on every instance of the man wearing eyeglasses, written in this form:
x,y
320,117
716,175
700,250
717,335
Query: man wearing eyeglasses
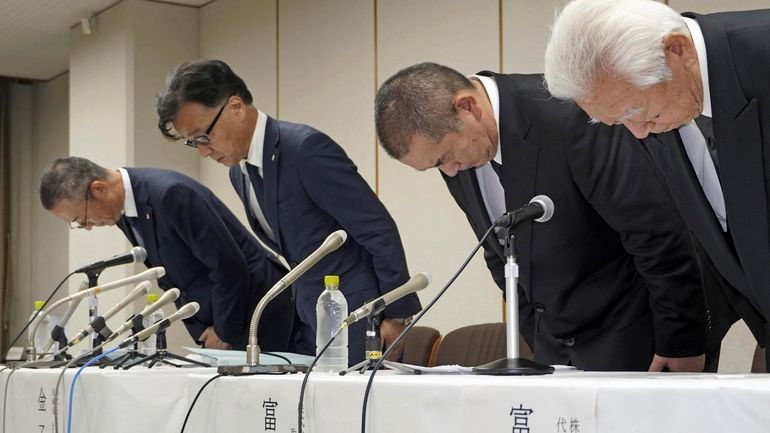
x,y
297,186
206,251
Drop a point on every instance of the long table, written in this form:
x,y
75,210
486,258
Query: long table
x,y
157,399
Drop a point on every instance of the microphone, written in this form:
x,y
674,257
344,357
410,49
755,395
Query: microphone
x,y
416,283
136,255
171,295
99,324
187,310
331,243
149,274
540,209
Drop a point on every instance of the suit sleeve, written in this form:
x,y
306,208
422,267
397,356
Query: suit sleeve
x,y
618,179
333,183
225,276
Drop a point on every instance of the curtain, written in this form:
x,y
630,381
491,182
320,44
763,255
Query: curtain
x,y
5,295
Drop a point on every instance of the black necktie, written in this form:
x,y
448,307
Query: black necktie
x,y
707,129
498,168
257,184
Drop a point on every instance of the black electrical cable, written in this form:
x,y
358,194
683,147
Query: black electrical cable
x,y
189,411
288,361
5,357
307,374
408,327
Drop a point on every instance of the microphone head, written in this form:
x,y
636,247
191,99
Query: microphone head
x,y
188,310
420,280
156,272
336,239
170,295
548,207
139,253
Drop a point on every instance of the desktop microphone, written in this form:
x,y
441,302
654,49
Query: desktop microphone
x,y
149,274
188,310
416,283
99,324
331,243
136,255
168,297
540,209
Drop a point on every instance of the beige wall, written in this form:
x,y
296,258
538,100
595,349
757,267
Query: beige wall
x,y
306,61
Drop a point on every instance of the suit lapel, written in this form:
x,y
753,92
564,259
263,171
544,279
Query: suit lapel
x,y
270,160
519,171
739,145
145,217
672,159
468,185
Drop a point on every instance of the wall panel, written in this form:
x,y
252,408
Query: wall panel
x,y
462,34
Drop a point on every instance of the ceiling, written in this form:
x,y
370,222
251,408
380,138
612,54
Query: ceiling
x,y
34,34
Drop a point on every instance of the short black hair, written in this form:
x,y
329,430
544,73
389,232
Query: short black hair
x,y
207,82
417,100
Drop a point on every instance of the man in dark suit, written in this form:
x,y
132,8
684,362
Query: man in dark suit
x,y
297,186
609,282
206,251
704,77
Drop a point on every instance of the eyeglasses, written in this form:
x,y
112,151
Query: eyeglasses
x,y
204,139
77,224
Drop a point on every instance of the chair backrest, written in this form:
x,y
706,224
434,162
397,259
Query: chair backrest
x,y
421,345
472,345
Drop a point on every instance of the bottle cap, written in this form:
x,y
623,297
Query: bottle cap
x,y
152,297
332,280
39,305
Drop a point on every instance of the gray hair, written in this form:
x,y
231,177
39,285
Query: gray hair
x,y
620,37
417,100
67,179
207,82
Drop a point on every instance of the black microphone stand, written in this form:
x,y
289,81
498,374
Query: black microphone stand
x,y
162,354
512,365
374,351
133,352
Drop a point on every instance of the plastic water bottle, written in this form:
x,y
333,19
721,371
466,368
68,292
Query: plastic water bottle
x,y
150,345
331,309
43,330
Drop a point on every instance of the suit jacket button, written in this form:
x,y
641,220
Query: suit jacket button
x,y
569,341
539,308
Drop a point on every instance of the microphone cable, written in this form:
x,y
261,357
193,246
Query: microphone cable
x,y
195,400
409,327
189,411
37,312
75,379
307,375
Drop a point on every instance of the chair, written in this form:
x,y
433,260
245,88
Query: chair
x,y
474,345
421,345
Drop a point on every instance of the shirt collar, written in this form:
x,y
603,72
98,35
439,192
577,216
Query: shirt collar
x,y
490,86
700,49
257,147
129,205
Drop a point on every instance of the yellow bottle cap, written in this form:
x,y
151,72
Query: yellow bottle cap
x,y
39,305
152,297
332,280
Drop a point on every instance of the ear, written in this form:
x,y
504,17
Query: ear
x,y
98,189
679,47
465,103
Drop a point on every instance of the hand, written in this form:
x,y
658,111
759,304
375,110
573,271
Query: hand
x,y
210,340
389,330
687,364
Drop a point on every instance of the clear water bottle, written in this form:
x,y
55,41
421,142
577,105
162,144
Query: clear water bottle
x,y
43,330
150,345
331,309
